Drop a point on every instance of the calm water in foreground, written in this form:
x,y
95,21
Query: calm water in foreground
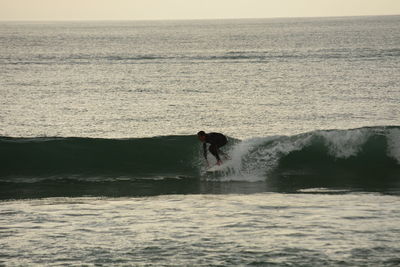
x,y
312,228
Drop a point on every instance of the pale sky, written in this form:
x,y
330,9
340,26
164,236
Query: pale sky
x,y
189,9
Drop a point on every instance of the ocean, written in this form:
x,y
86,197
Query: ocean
x,y
101,165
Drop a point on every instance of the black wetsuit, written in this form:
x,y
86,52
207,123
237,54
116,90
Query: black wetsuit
x,y
216,140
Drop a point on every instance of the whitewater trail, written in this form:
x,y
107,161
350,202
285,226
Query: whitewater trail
x,y
254,159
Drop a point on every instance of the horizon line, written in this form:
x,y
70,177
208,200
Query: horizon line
x,y
192,19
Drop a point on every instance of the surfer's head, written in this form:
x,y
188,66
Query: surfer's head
x,y
202,136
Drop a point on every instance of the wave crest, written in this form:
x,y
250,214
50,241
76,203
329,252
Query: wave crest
x,y
356,153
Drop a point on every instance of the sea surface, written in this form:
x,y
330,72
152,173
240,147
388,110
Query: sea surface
x,y
100,164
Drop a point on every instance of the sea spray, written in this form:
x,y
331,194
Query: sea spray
x,y
344,144
353,152
394,143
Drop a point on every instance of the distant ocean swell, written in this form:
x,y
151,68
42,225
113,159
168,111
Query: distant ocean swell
x,y
355,158
359,53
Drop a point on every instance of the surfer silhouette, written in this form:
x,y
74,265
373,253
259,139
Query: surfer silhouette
x,y
216,140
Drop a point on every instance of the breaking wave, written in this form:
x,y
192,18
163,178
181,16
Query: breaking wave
x,y
366,157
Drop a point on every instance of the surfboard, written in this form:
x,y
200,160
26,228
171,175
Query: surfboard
x,y
217,168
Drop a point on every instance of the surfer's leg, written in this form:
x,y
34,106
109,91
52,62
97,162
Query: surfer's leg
x,y
221,144
214,151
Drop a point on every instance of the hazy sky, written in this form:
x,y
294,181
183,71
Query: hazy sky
x,y
189,9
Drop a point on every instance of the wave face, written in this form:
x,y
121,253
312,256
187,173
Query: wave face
x,y
86,157
365,158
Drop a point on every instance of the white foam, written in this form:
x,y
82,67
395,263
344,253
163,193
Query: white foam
x,y
253,158
237,168
322,190
344,144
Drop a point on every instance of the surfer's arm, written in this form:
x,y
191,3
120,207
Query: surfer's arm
x,y
205,154
205,150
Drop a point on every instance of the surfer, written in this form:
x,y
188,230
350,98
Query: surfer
x,y
216,140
